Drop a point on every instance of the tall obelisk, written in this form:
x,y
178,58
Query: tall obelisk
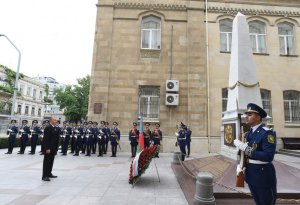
x,y
243,85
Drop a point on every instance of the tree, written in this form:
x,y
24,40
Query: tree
x,y
74,99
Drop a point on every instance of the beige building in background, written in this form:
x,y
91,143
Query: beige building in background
x,y
141,45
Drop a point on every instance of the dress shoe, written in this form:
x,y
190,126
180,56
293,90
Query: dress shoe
x,y
46,179
63,154
31,153
88,155
187,156
8,153
52,176
75,154
20,152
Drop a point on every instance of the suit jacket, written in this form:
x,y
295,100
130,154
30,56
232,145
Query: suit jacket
x,y
51,139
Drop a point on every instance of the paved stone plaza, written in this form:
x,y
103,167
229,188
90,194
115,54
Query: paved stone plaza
x,y
86,180
92,180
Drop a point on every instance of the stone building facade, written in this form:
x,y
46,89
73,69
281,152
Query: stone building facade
x,y
141,45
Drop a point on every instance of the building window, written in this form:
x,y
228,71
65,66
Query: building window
x,y
41,95
28,91
26,110
149,102
150,31
225,34
291,100
39,112
266,101
33,111
257,31
21,89
19,109
224,99
286,38
34,93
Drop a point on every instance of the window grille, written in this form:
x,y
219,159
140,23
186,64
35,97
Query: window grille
x,y
149,102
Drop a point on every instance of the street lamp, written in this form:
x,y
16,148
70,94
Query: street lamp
x,y
12,114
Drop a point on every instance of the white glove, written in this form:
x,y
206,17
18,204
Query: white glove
x,y
239,169
240,145
9,130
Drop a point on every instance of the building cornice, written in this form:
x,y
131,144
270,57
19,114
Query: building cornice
x,y
132,5
265,12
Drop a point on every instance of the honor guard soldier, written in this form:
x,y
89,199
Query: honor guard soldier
x,y
134,138
67,133
84,138
59,131
35,132
73,137
188,141
181,140
78,134
147,135
95,130
44,125
101,139
114,139
156,136
12,132
106,131
90,138
260,147
24,133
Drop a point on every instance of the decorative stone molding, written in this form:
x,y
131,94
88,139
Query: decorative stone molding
x,y
253,11
128,5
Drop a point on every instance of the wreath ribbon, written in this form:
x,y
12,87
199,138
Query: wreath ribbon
x,y
243,84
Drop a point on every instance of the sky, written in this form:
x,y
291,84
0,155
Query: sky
x,y
55,37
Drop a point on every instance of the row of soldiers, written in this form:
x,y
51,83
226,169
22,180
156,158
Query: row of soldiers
x,y
81,137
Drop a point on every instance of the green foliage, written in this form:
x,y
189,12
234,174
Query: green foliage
x,y
10,79
47,100
74,99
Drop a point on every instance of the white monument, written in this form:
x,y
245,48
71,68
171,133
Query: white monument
x,y
243,85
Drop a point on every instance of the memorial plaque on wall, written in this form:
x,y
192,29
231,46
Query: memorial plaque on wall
x,y
97,108
229,134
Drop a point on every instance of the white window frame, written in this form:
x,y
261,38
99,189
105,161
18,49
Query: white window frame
x,y
228,36
256,37
285,38
149,111
266,98
291,108
151,31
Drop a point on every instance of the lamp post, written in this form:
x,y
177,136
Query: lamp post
x,y
17,78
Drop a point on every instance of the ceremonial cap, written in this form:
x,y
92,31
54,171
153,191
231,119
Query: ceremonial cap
x,y
46,121
251,107
157,124
115,123
147,123
13,121
106,123
102,122
24,121
34,121
96,123
90,122
134,123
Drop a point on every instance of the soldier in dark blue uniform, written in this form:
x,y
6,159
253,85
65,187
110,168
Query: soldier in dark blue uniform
x,y
90,138
73,137
12,132
95,130
181,140
188,141
24,132
106,131
114,139
84,138
35,132
78,136
101,139
260,149
147,135
134,138
67,133
156,136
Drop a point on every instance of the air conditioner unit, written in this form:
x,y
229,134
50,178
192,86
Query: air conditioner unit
x,y
172,99
172,85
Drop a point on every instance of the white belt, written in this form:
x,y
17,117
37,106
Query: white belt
x,y
252,161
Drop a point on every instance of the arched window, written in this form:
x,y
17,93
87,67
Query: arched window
x,y
150,33
286,38
225,34
257,31
291,100
266,101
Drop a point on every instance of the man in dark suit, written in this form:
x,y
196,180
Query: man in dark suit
x,y
51,139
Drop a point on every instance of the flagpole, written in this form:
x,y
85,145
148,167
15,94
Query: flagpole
x,y
156,171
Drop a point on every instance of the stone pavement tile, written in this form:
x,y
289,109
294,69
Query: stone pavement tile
x,y
93,192
85,200
117,192
137,200
27,199
168,193
55,200
6,198
44,190
171,201
113,200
